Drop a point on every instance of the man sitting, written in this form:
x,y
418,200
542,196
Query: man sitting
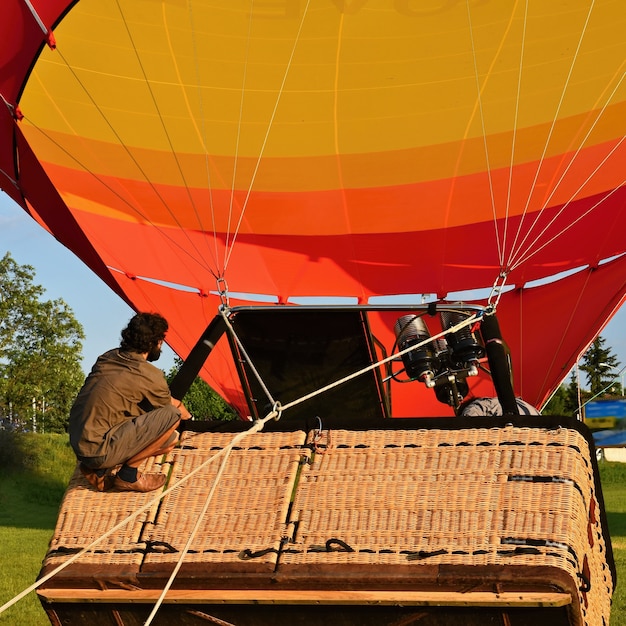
x,y
124,412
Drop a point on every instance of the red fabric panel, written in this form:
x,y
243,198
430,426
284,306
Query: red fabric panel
x,y
358,265
548,328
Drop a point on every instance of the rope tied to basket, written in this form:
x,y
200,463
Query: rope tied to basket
x,y
333,545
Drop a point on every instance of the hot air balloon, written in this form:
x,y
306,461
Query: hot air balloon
x,y
335,149
340,153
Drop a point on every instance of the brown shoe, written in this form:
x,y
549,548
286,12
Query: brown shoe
x,y
144,483
101,483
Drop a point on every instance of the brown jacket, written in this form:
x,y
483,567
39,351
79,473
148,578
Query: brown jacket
x,y
120,386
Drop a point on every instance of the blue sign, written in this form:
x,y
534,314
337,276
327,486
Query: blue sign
x,y
606,408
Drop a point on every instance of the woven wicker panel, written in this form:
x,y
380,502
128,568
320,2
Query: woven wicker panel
x,y
86,515
501,496
247,511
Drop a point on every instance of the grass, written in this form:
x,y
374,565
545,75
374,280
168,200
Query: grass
x,y
35,469
613,478
34,472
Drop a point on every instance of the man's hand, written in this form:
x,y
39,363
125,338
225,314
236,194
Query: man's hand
x,y
184,413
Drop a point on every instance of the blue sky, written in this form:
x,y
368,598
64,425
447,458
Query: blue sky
x,y
100,311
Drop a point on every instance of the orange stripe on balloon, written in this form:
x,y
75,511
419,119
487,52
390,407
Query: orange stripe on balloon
x,y
421,206
317,173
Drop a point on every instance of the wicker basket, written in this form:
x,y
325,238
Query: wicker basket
x,y
508,517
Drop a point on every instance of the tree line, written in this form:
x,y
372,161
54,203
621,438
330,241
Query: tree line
x,y
41,344
595,378
41,353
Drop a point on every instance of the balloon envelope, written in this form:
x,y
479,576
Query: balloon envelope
x,y
356,149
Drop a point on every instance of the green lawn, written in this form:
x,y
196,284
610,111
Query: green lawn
x,y
613,477
35,469
34,472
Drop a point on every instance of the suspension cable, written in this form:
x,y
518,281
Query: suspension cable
x,y
266,391
484,133
191,537
514,252
514,139
256,426
267,133
46,31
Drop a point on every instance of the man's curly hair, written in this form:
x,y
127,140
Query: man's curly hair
x,y
143,333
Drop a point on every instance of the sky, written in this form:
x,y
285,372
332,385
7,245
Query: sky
x,y
99,310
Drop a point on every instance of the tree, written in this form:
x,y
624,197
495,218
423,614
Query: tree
x,y
564,401
203,402
598,363
40,352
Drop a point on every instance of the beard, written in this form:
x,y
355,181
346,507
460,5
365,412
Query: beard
x,y
154,354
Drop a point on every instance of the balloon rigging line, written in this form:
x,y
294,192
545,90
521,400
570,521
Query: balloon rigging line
x,y
584,139
515,121
10,178
257,375
256,426
190,539
198,260
269,127
133,207
201,132
165,132
569,225
528,248
611,384
484,133
124,147
238,137
36,17
174,244
549,137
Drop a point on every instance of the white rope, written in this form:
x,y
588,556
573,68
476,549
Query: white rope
x,y
189,540
467,322
201,131
128,198
514,138
39,21
267,133
549,137
571,224
257,426
584,140
238,139
484,130
168,138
